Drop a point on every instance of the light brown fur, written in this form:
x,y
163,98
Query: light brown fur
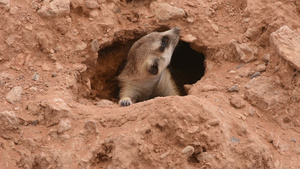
x,y
145,74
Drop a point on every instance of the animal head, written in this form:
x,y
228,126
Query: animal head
x,y
151,54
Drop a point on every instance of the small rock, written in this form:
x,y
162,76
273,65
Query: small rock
x,y
190,20
243,51
240,66
80,67
5,2
95,45
233,88
214,122
81,46
14,10
10,40
164,155
252,33
46,67
246,20
36,77
55,8
64,125
255,75
91,4
266,58
14,96
18,62
237,102
53,110
33,89
297,150
286,42
232,72
54,75
208,88
90,128
53,133
234,140
204,157
261,68
8,123
251,111
215,27
262,93
188,151
165,11
293,140
189,38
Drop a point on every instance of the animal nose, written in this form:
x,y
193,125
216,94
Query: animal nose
x,y
177,30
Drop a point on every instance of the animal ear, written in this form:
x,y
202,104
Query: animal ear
x,y
153,67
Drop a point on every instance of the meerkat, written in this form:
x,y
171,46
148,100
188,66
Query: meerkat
x,y
145,74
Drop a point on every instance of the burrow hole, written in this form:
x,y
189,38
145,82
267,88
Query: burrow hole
x,y
187,67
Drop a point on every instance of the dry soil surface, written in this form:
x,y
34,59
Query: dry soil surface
x,y
58,104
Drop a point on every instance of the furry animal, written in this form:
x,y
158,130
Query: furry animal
x,y
145,74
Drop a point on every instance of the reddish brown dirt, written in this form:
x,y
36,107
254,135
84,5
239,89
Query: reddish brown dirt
x,y
64,119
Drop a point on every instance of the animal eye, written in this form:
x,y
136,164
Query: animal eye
x,y
164,43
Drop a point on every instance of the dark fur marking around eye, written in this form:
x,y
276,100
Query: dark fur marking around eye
x,y
153,69
164,43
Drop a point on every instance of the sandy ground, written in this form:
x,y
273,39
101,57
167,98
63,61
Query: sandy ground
x,y
58,97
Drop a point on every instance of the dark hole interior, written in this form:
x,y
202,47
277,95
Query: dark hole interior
x,y
187,67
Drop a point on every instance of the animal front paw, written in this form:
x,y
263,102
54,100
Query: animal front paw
x,y
125,102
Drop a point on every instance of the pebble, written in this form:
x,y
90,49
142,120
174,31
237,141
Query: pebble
x,y
14,95
255,75
233,88
188,151
189,38
33,89
240,66
237,102
293,139
215,122
81,46
94,45
297,150
9,122
215,27
165,11
261,68
165,154
64,125
234,140
46,67
91,4
36,77
266,58
4,2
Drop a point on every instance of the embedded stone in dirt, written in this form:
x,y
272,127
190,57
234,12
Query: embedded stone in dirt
x,y
55,8
54,110
263,94
14,96
4,2
287,45
165,12
244,51
8,123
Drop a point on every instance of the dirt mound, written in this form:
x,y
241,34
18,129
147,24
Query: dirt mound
x,y
59,60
